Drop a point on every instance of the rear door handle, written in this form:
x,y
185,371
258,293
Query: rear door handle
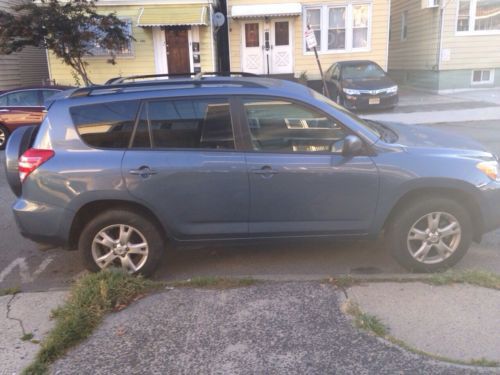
x,y
143,171
4,110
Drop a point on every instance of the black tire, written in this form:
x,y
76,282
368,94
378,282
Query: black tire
x,y
4,137
399,228
149,230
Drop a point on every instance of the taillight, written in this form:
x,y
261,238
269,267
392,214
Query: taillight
x,y
31,160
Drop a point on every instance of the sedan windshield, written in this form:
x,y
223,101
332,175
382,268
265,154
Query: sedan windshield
x,y
363,70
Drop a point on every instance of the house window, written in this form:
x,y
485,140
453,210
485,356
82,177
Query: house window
x,y
124,50
478,16
340,28
483,76
252,35
404,25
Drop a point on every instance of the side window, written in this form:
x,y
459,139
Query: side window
x,y
28,98
106,125
142,137
48,93
3,101
193,123
282,126
336,73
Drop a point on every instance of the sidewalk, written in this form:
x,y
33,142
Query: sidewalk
x,y
291,328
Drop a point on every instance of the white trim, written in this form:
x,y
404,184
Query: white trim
x,y
266,10
472,22
480,83
190,46
104,3
212,35
324,9
388,36
160,50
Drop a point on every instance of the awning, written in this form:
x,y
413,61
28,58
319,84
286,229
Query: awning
x,y
173,15
266,10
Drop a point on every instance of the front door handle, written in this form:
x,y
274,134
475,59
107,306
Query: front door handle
x,y
266,171
4,110
143,171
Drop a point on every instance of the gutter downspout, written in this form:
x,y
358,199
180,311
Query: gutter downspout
x,y
440,37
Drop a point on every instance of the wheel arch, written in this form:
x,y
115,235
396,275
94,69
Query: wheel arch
x,y
87,212
464,198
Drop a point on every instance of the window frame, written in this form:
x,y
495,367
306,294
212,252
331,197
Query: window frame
x,y
248,134
481,83
38,93
472,22
235,124
131,54
324,27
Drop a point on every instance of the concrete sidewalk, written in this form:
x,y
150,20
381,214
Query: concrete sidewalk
x,y
280,328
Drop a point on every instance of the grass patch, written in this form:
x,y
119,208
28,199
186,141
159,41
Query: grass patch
x,y
214,282
90,299
10,291
373,324
366,321
344,281
474,277
27,336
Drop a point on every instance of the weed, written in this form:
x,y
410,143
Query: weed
x,y
214,282
27,336
10,291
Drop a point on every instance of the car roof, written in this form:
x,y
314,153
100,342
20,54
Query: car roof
x,y
356,62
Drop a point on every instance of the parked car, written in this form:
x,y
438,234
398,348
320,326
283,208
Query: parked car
x,y
361,85
21,107
115,171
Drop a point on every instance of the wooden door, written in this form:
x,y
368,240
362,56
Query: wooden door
x,y
177,51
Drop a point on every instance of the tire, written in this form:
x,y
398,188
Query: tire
x,y
419,251
4,137
93,244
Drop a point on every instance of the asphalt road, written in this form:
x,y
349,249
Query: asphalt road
x,y
22,264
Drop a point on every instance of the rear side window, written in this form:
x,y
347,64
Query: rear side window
x,y
106,125
194,123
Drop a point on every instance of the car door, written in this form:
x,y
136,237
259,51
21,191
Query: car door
x,y
184,163
19,108
300,184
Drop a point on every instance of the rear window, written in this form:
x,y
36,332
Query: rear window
x,y
106,125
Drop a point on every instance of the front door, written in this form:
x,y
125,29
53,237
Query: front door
x,y
253,48
281,47
300,184
177,51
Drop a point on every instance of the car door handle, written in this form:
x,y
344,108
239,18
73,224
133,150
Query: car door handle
x,y
265,171
4,110
143,171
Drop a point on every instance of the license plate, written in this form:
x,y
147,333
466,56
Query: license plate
x,y
372,101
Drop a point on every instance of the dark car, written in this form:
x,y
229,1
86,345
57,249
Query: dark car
x,y
361,85
122,171
23,106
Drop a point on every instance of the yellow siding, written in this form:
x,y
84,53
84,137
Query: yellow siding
x,y
306,61
419,50
471,51
206,56
142,61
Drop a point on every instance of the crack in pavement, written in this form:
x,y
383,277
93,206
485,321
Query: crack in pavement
x,y
7,315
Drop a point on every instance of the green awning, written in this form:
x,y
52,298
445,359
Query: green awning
x,y
173,15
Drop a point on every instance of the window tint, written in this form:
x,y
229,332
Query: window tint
x,y
198,123
28,98
48,93
279,125
142,138
106,125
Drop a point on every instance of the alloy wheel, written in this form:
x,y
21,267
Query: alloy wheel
x,y
3,137
434,237
122,246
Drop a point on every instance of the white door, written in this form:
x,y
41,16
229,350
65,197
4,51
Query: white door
x,y
281,47
252,51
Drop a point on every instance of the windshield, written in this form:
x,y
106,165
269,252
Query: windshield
x,y
360,71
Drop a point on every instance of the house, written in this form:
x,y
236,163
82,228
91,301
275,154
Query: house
x,y
25,68
445,45
171,36
267,36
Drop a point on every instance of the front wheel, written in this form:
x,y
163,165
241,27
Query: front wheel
x,y
4,136
430,235
122,239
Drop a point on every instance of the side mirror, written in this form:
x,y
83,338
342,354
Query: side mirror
x,y
352,146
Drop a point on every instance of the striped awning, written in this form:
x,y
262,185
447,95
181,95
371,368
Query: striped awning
x,y
173,15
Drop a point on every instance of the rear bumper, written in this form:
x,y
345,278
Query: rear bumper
x,y
43,223
490,207
362,102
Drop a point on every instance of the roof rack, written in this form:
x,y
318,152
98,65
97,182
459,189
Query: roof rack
x,y
116,85
198,75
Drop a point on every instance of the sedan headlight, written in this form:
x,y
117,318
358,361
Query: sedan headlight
x,y
352,92
490,169
392,90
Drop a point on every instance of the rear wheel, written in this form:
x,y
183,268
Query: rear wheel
x,y
4,136
430,235
121,239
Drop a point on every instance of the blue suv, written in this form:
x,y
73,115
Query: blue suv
x,y
118,170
